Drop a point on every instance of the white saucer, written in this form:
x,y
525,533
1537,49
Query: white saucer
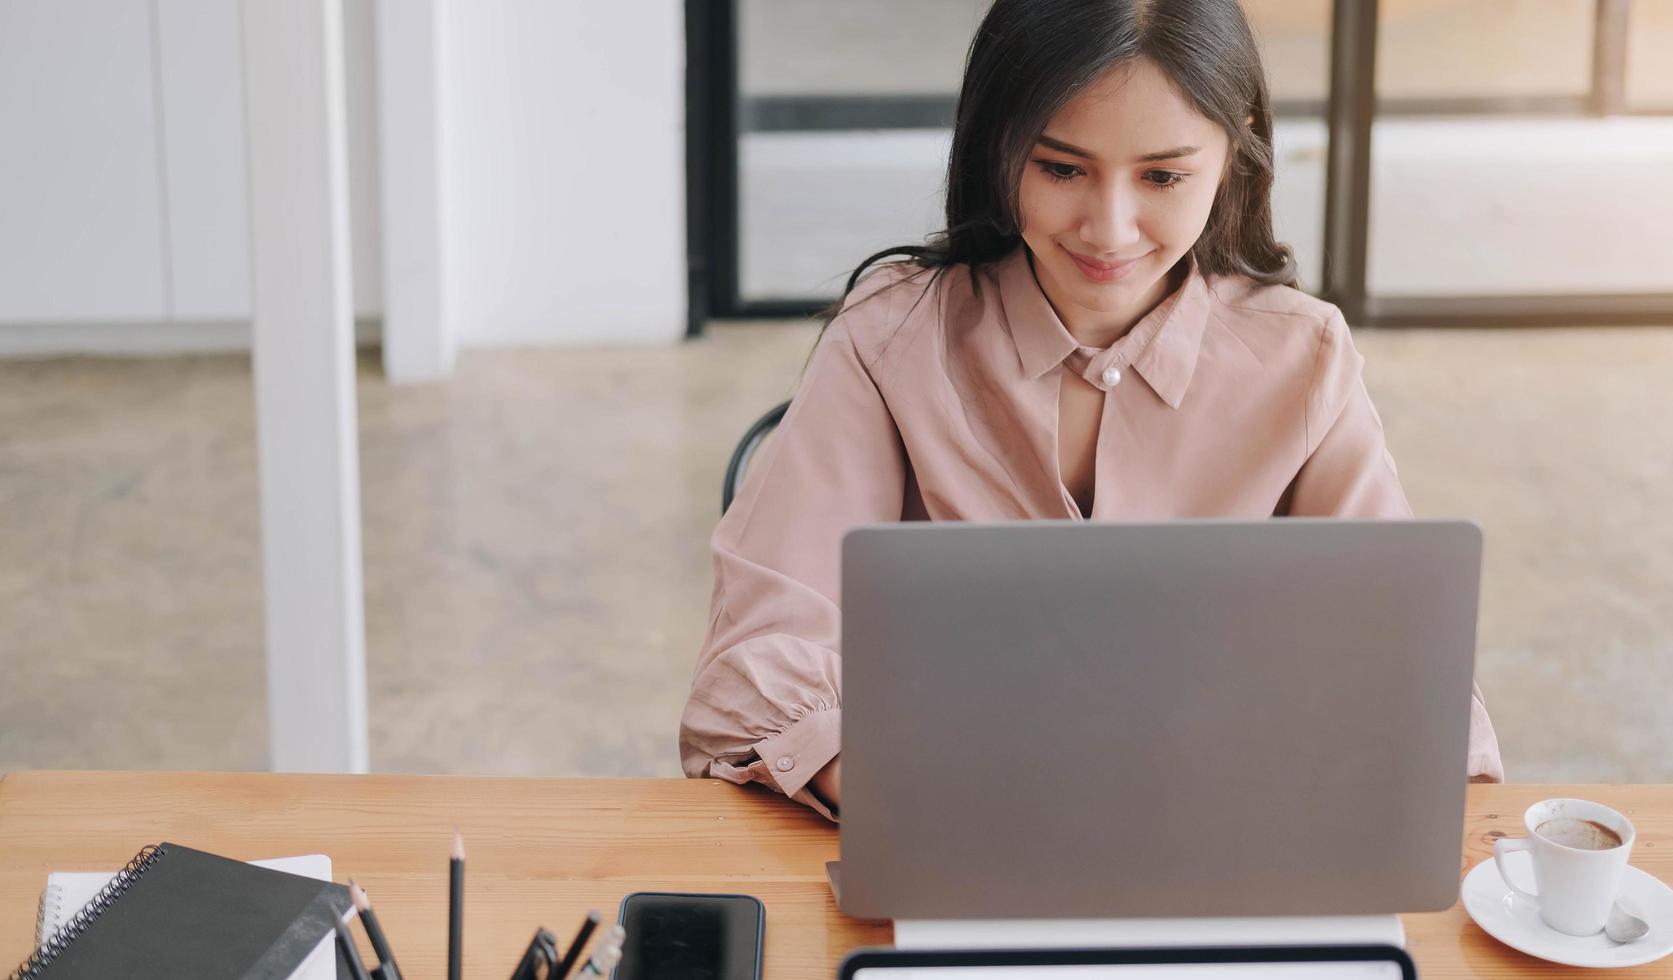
x,y
1515,921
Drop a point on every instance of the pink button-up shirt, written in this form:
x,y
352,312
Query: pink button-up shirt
x,y
1230,399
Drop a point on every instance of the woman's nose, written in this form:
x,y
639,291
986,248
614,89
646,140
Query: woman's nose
x,y
1111,223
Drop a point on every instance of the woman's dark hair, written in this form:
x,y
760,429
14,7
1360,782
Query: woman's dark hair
x,y
1029,58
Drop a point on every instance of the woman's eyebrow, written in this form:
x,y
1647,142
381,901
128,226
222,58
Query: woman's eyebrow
x,y
1178,151
1073,150
1068,148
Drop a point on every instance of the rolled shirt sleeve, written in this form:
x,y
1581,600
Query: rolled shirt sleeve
x,y
766,701
1349,472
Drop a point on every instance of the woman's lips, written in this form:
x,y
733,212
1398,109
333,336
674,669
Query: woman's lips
x,y
1102,271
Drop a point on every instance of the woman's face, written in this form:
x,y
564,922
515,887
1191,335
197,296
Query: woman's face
x,y
1116,191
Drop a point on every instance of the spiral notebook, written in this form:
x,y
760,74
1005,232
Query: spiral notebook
x,y
178,912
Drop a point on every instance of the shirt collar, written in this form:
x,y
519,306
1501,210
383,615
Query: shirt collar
x,y
1162,347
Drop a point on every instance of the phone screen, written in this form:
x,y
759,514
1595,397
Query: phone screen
x,y
690,937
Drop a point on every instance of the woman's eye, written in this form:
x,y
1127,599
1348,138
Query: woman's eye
x,y
1058,171
1164,178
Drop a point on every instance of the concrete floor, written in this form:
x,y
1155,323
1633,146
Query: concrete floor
x,y
536,563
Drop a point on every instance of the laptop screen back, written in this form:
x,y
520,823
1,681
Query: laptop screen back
x,y
1192,718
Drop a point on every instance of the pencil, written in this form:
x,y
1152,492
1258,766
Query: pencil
x,y
455,905
576,945
345,945
374,932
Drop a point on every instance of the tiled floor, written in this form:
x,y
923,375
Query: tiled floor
x,y
536,562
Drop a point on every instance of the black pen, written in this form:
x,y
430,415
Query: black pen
x,y
576,946
455,905
345,946
374,932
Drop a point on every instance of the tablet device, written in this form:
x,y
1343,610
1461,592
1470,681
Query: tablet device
x,y
1201,963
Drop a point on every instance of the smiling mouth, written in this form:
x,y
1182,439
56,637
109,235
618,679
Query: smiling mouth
x,y
1102,271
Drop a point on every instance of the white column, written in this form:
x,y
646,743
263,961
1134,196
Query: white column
x,y
304,377
418,343
564,162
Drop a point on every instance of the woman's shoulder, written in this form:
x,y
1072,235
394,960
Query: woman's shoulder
x,y
1243,295
1290,333
893,300
1276,317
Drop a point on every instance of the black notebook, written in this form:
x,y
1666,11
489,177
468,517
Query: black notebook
x,y
175,912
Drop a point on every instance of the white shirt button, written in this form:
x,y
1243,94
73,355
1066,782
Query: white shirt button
x,y
785,763
1112,376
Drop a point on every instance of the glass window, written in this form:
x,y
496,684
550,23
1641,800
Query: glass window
x,y
1439,49
1294,39
1649,81
1510,204
813,204
875,47
814,201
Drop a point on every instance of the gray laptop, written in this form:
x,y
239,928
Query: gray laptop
x,y
1190,718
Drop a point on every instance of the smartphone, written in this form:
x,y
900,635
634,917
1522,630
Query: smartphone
x,y
672,936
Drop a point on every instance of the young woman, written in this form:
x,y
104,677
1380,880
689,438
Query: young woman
x,y
1105,330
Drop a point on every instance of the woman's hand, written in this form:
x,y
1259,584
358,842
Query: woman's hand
x,y
827,784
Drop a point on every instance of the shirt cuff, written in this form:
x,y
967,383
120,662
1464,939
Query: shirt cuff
x,y
796,754
805,797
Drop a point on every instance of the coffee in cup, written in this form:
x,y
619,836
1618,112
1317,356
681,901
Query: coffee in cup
x,y
1584,835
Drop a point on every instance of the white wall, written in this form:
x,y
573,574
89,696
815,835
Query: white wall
x,y
124,182
124,192
564,171
200,109
78,137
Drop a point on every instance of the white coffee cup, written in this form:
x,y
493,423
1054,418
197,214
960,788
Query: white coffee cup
x,y
1577,863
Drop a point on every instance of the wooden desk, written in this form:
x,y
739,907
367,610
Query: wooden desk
x,y
543,851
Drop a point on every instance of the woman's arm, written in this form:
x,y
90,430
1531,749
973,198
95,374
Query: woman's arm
x,y
1349,472
765,702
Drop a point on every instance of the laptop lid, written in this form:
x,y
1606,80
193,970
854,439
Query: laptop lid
x,y
1190,718
1244,963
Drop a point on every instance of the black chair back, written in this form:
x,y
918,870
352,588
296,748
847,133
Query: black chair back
x,y
746,448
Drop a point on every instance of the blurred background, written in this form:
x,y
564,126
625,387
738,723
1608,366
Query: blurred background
x,y
573,248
